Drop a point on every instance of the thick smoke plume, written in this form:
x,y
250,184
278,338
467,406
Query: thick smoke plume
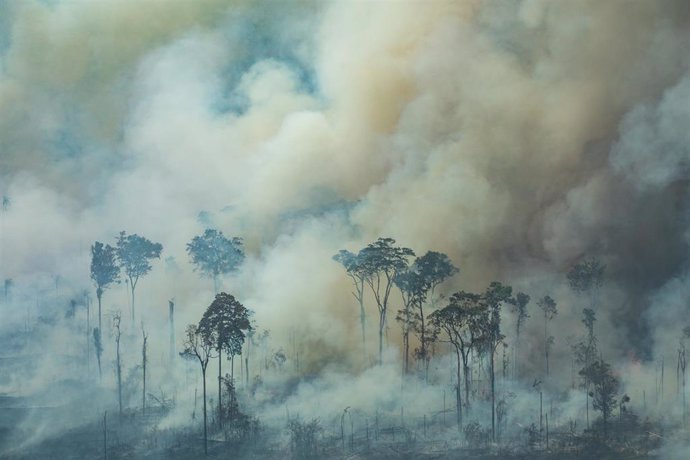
x,y
518,137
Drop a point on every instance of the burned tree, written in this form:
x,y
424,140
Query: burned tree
x,y
383,261
225,324
198,349
214,255
134,254
548,307
104,271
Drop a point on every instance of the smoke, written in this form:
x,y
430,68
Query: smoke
x,y
517,137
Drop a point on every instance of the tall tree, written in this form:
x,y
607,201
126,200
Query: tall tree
x,y
521,315
134,254
548,307
98,347
586,278
358,273
215,255
382,261
225,324
495,296
462,321
104,271
605,386
201,350
585,352
118,364
434,268
413,291
144,361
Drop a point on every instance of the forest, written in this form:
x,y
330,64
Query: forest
x,y
344,229
468,383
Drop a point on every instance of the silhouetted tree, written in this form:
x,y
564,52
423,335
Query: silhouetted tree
x,y
225,324
605,386
134,254
586,278
413,292
462,322
495,296
434,268
104,271
98,346
521,315
383,261
215,255
144,361
548,307
118,364
199,349
358,273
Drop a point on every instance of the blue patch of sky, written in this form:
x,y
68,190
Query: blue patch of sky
x,y
260,40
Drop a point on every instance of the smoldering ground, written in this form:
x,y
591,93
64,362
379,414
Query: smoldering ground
x,y
516,137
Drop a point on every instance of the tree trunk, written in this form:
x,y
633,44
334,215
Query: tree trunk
x,y
458,393
382,321
99,295
132,286
362,320
492,376
203,374
143,364
546,347
119,376
466,371
220,384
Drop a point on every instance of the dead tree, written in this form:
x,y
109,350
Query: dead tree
x,y
199,349
118,364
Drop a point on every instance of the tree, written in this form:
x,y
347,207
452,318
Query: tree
x,y
98,346
495,296
118,364
585,352
413,291
134,254
199,349
605,386
548,307
215,255
382,261
434,268
358,273
520,311
462,322
144,360
586,278
225,324
104,271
